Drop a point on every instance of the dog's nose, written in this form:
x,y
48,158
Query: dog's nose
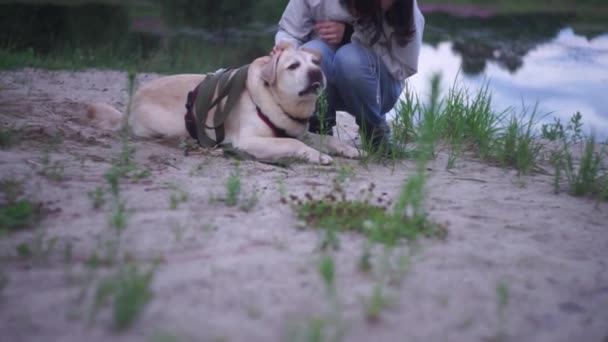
x,y
315,75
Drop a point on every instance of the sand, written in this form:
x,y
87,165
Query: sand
x,y
230,275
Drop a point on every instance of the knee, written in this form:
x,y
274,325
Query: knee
x,y
351,63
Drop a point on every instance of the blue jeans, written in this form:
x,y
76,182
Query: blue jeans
x,y
358,82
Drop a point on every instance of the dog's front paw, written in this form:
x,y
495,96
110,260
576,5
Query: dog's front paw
x,y
349,152
320,158
314,156
324,159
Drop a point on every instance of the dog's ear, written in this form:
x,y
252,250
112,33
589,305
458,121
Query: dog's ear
x,y
269,71
313,52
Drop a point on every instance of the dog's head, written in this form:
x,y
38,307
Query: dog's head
x,y
294,75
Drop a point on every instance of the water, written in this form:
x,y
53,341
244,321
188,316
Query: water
x,y
563,69
558,59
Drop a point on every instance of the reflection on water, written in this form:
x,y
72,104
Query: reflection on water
x,y
569,73
560,60
502,39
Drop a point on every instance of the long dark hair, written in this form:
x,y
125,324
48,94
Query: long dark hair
x,y
400,16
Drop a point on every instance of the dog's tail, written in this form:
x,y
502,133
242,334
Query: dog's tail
x,y
104,116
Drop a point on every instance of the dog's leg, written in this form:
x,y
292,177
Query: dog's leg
x,y
332,145
276,148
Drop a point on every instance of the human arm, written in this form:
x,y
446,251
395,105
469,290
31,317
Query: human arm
x,y
296,23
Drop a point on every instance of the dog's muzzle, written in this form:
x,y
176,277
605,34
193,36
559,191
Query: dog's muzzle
x,y
316,83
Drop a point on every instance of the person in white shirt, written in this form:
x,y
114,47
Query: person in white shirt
x,y
368,47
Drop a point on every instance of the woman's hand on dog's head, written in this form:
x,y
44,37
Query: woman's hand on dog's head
x,y
280,47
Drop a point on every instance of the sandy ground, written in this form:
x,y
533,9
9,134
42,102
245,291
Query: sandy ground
x,y
231,275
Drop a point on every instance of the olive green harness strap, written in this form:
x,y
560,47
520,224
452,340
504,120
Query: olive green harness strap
x,y
230,83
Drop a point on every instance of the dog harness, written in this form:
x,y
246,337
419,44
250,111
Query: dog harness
x,y
229,84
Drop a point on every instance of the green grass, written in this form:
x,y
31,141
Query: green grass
x,y
11,189
365,265
127,292
334,213
404,124
97,197
502,294
16,211
119,215
375,304
18,215
327,270
589,177
177,196
327,326
249,202
554,131
587,174
322,114
517,145
51,169
467,122
373,215
233,188
38,249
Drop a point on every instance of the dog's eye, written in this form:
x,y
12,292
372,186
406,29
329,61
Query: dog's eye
x,y
293,66
316,62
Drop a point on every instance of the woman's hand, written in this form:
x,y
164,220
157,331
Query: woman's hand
x,y
282,45
331,32
275,50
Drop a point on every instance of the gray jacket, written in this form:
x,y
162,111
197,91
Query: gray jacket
x,y
296,27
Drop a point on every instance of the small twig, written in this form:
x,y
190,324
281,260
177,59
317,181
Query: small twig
x,y
469,179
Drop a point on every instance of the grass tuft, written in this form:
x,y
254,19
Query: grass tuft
x,y
554,131
370,214
469,123
38,249
586,175
51,169
17,212
374,220
233,188
177,196
97,197
18,215
517,146
250,202
128,291
502,294
327,270
375,304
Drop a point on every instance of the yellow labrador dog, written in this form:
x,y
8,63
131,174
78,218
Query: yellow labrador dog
x,y
279,96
